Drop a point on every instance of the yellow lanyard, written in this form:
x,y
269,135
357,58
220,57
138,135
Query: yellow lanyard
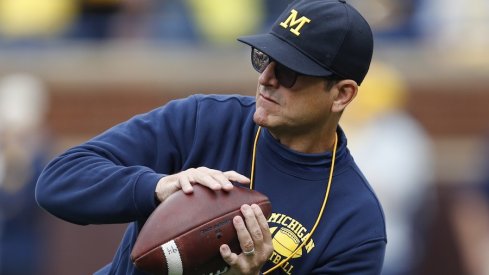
x,y
326,195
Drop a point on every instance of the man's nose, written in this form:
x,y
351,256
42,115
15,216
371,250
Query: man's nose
x,y
267,77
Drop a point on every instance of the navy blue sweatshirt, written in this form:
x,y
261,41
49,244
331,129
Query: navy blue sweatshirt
x,y
112,179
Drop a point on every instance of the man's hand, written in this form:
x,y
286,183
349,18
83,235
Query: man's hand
x,y
214,179
255,240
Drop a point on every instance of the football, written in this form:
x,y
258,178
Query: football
x,y
184,233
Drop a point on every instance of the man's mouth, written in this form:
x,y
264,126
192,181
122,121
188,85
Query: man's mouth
x,y
266,98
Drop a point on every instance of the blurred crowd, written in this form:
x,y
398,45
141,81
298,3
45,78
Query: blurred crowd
x,y
151,20
378,123
402,171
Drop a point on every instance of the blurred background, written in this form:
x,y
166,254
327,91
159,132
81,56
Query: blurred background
x,y
419,127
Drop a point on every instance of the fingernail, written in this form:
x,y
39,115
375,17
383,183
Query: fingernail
x,y
245,208
237,219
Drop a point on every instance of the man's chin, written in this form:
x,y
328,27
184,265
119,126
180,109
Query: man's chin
x,y
260,120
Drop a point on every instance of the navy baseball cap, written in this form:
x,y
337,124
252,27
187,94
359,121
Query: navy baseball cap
x,y
319,38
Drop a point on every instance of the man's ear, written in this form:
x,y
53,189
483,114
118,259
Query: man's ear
x,y
347,90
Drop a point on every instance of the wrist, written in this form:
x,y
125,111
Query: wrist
x,y
164,188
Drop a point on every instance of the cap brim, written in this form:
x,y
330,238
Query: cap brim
x,y
285,54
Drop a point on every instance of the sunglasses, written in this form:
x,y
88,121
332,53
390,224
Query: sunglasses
x,y
285,76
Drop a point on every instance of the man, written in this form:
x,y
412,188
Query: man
x,y
25,148
286,143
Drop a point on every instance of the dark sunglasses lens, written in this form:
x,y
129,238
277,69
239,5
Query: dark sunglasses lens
x,y
285,76
259,60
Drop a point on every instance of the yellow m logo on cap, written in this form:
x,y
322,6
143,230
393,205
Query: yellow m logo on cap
x,y
294,23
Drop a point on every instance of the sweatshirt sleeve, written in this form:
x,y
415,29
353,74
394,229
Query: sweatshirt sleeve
x,y
112,177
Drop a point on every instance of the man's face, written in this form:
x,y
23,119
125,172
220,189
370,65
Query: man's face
x,y
302,107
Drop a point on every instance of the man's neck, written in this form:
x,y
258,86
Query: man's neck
x,y
307,142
